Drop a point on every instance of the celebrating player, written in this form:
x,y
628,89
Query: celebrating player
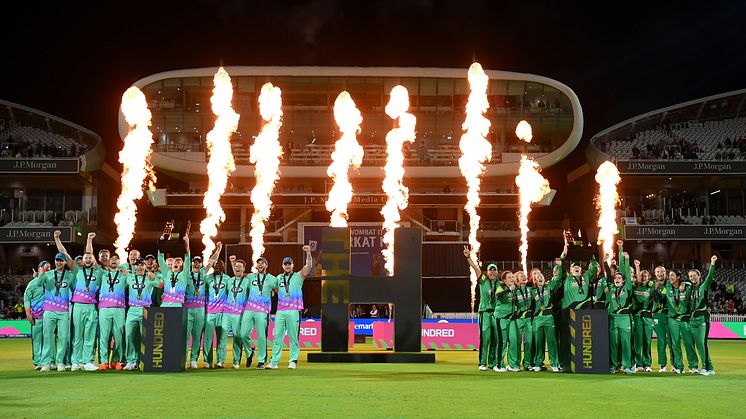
x,y
33,304
487,324
232,310
111,316
699,322
85,315
642,306
217,292
543,319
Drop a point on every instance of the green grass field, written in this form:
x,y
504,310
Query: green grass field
x,y
452,387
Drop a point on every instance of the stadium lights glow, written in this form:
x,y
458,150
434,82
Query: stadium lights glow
x,y
713,193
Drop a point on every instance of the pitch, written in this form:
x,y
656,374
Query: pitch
x,y
452,387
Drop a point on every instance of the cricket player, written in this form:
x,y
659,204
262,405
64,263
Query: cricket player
x,y
642,306
233,309
175,278
619,303
194,303
111,315
487,324
660,318
289,306
85,314
677,296
543,319
217,293
520,332
33,304
140,284
504,310
699,322
256,312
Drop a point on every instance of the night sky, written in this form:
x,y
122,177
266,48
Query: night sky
x,y
621,58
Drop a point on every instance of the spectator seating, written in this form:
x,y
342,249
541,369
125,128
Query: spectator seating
x,y
35,142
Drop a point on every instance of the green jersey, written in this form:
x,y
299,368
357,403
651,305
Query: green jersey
x,y
487,290
699,296
504,303
576,288
542,295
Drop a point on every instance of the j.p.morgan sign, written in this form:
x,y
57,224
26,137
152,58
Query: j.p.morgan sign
x,y
34,234
684,232
23,165
681,167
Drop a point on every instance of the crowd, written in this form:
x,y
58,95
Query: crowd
x,y
78,306
522,317
24,148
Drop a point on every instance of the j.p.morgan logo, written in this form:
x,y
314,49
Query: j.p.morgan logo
x,y
682,167
685,232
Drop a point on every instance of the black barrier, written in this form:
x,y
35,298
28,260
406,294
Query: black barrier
x,y
586,341
164,339
339,289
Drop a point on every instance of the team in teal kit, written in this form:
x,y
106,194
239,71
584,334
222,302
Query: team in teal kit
x,y
257,310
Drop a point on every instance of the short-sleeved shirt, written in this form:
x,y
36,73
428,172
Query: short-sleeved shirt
x,y
236,291
57,289
86,285
195,290
113,287
141,290
217,292
33,297
260,292
290,291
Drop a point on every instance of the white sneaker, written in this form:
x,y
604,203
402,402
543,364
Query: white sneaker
x,y
219,365
612,370
555,369
271,367
44,368
537,369
483,368
90,366
75,367
662,369
61,368
693,371
639,369
648,369
704,372
236,366
37,367
511,369
676,371
498,369
630,370
53,366
68,367
292,365
193,364
710,372
129,367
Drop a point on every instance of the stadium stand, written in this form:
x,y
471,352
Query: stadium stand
x,y
24,141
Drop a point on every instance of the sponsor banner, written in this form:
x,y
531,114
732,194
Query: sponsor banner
x,y
15,329
366,243
28,165
441,335
22,234
685,232
310,334
681,167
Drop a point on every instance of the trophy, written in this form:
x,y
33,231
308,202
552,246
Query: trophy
x,y
167,242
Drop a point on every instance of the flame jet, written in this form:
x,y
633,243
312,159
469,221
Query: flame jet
x,y
266,153
136,166
397,194
221,163
347,153
607,177
475,151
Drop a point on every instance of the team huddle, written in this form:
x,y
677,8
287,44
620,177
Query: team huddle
x,y
78,306
520,315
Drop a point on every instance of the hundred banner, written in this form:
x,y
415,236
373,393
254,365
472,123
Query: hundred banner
x,y
440,335
681,167
23,234
684,232
31,166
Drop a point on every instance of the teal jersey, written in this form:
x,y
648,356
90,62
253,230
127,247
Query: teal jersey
x,y
217,292
290,291
57,289
33,297
260,292
174,283
195,290
113,288
140,289
236,292
86,285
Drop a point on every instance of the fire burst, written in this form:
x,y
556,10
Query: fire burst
x,y
607,177
347,153
221,164
531,188
397,194
475,150
265,154
135,159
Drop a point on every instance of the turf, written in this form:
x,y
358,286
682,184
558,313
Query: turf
x,y
452,387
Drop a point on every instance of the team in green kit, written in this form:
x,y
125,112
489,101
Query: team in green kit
x,y
518,322
78,307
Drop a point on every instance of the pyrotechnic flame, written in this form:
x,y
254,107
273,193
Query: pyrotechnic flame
x,y
607,177
397,194
221,164
347,153
524,132
475,150
266,153
135,159
531,188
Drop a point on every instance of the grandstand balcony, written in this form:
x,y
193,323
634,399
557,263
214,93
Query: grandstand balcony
x,y
179,101
703,136
32,141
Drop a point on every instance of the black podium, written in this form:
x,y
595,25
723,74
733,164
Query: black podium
x,y
164,339
585,341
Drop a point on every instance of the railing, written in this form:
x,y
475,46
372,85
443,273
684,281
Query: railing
x,y
728,317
